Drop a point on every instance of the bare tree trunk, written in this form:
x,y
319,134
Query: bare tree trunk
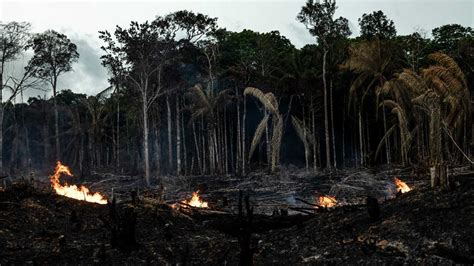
x,y
56,120
326,116
315,147
185,152
343,133
157,149
435,146
361,140
239,145
226,153
170,141
243,136
306,151
196,142
387,142
332,128
178,139
267,142
145,139
203,147
117,151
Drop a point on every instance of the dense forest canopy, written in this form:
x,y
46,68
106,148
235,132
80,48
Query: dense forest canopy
x,y
188,97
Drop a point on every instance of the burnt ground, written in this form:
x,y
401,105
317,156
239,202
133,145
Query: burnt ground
x,y
423,226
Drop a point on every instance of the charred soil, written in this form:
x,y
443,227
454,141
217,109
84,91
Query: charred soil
x,y
421,226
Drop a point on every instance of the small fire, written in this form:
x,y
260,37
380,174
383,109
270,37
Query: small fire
x,y
75,192
327,201
196,201
401,186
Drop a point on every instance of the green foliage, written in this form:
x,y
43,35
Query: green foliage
x,y
53,55
377,25
318,18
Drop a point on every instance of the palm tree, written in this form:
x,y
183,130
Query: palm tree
x,y
441,92
371,61
270,104
306,136
206,105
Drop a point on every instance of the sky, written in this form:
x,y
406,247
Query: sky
x,y
81,21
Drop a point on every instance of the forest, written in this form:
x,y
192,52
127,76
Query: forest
x,y
192,105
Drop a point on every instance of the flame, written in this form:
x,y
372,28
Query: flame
x,y
401,186
196,201
75,192
327,201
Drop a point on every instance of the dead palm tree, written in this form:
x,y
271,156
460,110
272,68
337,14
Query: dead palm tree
x,y
441,92
270,103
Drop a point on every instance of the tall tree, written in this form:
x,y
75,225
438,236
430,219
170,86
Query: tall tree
x,y
376,24
145,49
53,56
13,40
319,20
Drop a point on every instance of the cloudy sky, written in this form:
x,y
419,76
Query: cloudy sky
x,y
81,20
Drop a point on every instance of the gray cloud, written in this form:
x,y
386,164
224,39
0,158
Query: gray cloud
x,y
88,75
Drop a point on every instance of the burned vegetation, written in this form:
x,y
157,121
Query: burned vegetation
x,y
239,225
214,147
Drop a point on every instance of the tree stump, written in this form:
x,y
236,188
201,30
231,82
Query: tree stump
x,y
439,176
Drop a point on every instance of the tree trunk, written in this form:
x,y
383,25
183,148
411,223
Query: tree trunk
x,y
332,129
224,134
56,120
157,150
1,117
178,139
343,133
170,141
435,147
361,140
185,151
117,143
326,116
145,139
239,145
243,136
196,143
315,147
387,142
306,151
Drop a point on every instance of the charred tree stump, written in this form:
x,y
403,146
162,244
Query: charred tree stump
x,y
373,208
439,176
122,228
245,228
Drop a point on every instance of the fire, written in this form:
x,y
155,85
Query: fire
x,y
401,186
196,201
327,201
75,192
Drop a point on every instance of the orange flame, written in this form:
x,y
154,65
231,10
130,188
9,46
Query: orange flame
x,y
196,201
327,201
401,186
75,192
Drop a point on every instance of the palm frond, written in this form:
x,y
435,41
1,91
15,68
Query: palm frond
x,y
265,99
258,134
